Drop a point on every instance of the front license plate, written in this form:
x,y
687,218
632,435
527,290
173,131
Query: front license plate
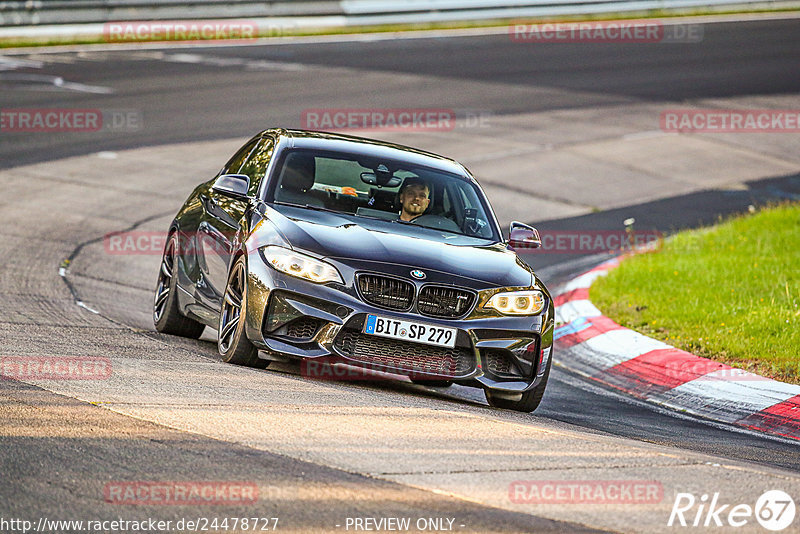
x,y
441,336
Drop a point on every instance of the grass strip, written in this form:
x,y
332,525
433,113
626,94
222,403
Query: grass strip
x,y
311,31
730,292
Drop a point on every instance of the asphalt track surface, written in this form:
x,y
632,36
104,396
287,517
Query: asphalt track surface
x,y
190,99
182,100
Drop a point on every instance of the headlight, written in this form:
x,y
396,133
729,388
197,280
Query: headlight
x,y
517,302
301,265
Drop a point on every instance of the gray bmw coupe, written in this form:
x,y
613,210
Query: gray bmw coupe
x,y
358,253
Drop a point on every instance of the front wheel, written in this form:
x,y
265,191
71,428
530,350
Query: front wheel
x,y
530,399
233,345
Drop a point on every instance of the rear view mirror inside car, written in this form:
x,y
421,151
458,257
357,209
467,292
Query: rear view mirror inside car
x,y
380,179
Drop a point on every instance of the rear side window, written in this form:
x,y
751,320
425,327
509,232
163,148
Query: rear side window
x,y
338,173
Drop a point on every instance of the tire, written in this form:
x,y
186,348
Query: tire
x,y
233,345
530,399
166,317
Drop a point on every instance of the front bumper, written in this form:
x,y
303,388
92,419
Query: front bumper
x,y
293,317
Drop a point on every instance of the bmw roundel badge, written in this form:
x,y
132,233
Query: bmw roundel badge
x,y
419,275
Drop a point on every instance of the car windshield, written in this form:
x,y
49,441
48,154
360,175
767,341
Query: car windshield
x,y
391,190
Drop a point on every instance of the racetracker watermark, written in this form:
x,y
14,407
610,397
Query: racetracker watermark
x,y
193,524
731,120
180,30
322,369
144,243
381,119
595,241
585,492
180,493
615,31
707,370
139,243
54,368
39,120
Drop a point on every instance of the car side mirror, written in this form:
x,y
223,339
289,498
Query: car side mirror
x,y
523,236
232,185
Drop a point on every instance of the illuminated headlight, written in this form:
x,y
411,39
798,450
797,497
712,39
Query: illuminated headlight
x,y
301,265
517,302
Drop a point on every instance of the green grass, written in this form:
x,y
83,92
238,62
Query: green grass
x,y
730,292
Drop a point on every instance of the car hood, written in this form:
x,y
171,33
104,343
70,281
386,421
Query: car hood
x,y
359,242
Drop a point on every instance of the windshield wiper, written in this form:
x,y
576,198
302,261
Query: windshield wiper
x,y
445,230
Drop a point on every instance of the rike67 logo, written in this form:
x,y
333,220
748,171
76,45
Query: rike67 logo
x,y
774,510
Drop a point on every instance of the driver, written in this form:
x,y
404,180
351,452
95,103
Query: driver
x,y
413,199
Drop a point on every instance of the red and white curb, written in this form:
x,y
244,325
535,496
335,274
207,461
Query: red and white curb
x,y
596,347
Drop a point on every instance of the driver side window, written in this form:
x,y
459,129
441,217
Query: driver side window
x,y
474,222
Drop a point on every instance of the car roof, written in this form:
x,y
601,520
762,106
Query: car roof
x,y
370,147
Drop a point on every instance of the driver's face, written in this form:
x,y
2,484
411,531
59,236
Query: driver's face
x,y
414,200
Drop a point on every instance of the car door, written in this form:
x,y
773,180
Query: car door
x,y
217,227
222,216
